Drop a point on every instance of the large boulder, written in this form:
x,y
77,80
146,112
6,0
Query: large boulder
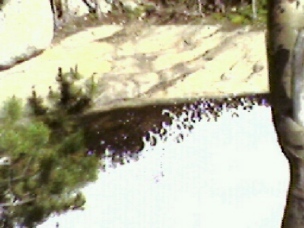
x,y
26,29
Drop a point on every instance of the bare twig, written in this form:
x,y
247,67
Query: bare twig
x,y
199,2
254,9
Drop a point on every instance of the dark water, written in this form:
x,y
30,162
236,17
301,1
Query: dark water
x,y
121,131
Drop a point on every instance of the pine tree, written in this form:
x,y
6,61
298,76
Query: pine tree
x,y
43,159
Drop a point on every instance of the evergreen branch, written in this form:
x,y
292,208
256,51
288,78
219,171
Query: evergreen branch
x,y
3,182
14,204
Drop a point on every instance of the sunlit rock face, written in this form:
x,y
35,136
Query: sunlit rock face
x,y
224,173
26,29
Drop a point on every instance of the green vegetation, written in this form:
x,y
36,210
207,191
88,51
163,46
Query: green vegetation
x,y
244,14
43,158
239,12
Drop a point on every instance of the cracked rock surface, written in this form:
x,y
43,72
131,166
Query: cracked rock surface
x,y
139,63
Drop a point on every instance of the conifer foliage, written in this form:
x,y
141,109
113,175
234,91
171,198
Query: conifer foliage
x,y
43,159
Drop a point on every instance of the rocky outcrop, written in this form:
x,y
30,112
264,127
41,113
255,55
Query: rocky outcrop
x,y
137,64
26,29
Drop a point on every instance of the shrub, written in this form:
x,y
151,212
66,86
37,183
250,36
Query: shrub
x,y
46,160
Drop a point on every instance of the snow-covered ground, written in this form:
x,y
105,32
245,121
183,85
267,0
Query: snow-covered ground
x,y
228,173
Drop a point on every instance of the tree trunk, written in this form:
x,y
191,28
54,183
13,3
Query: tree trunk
x,y
294,210
285,45
292,143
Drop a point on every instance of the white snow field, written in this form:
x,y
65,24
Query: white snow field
x,y
229,173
